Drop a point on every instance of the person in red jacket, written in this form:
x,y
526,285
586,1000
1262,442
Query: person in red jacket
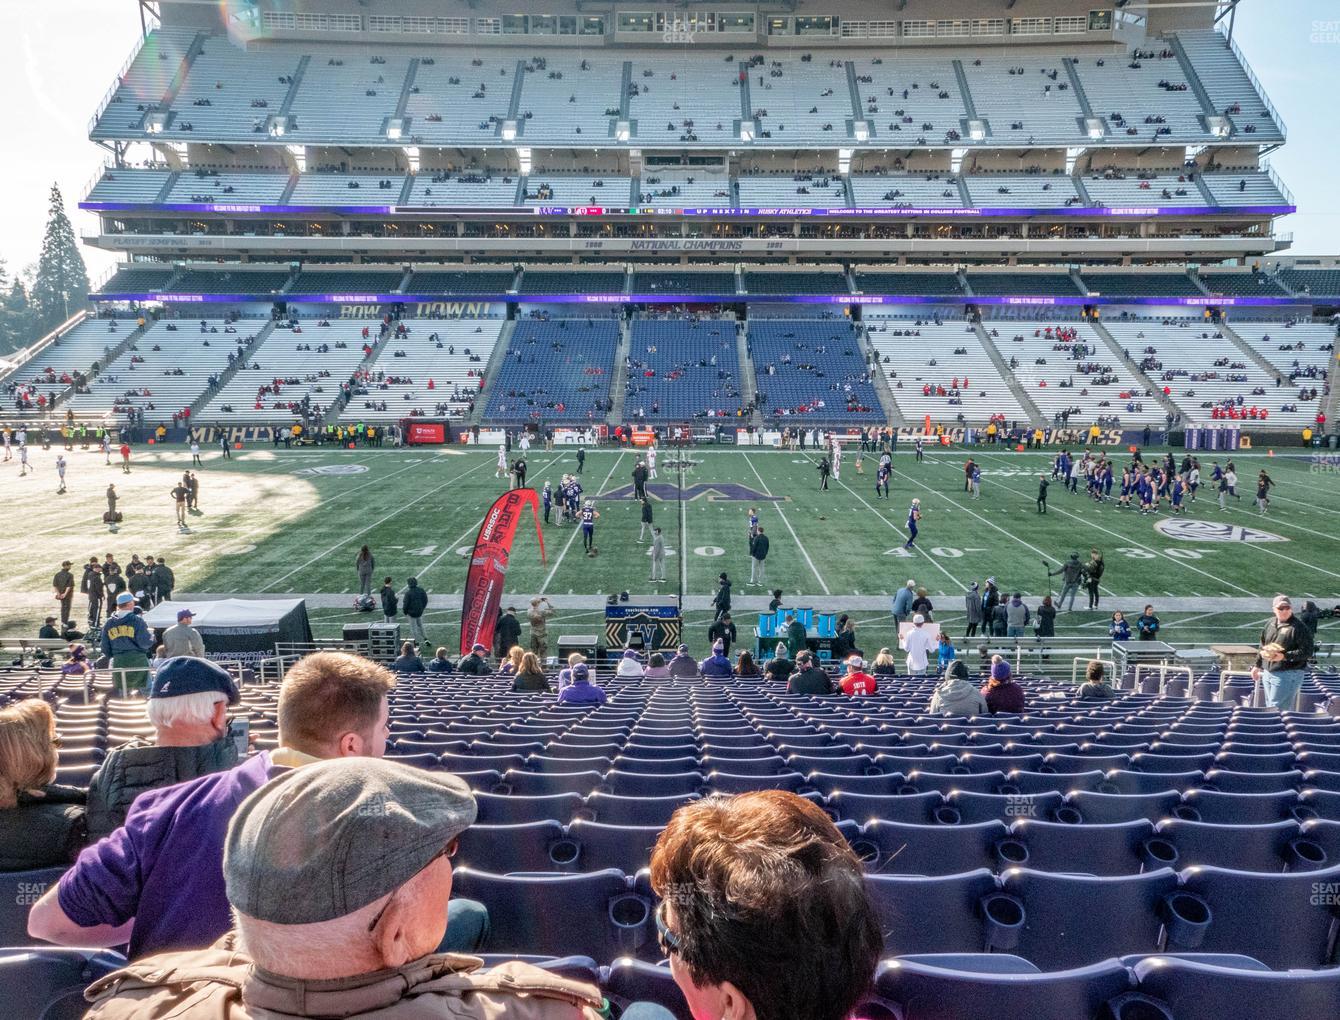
x,y
857,682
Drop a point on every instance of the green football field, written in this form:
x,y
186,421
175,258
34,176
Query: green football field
x,y
290,522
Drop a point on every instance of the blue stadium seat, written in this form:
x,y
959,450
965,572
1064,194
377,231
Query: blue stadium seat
x,y
19,890
1236,808
1228,781
944,914
901,848
46,983
613,809
532,784
1269,847
498,809
915,809
979,782
634,784
1126,781
629,981
1192,989
649,766
1076,920
1100,808
626,848
729,782
597,914
1042,782
1113,848
526,846
955,988
1285,921
982,807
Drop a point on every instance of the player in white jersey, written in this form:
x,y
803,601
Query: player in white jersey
x,y
837,458
651,461
503,470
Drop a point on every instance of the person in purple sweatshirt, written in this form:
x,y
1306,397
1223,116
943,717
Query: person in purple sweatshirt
x,y
581,691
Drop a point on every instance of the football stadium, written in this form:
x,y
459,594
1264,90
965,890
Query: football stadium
x,y
385,635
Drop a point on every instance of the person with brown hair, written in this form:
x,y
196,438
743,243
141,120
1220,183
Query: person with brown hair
x,y
1095,686
764,911
157,881
41,825
529,674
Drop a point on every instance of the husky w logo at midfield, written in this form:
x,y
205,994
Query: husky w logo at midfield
x,y
716,492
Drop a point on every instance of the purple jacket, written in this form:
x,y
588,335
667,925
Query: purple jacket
x,y
581,692
169,853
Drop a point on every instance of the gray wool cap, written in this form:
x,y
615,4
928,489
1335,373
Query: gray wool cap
x,y
326,839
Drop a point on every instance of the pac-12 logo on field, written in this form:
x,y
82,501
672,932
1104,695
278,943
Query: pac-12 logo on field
x,y
1213,531
333,469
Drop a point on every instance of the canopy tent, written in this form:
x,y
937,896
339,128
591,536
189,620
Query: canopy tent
x,y
239,625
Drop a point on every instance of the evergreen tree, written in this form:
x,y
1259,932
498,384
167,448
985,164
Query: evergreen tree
x,y
60,287
16,320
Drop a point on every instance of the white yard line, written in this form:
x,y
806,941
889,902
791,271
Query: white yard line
x,y
1134,542
899,531
794,537
474,527
369,527
996,527
577,530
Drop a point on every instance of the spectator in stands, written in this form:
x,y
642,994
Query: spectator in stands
x,y
365,563
565,674
512,663
409,661
79,666
918,643
683,666
764,910
1001,691
41,825
439,663
656,667
885,666
581,691
778,669
629,666
183,639
954,695
126,641
1016,616
390,600
188,706
745,666
1095,686
857,682
808,677
716,666
530,675
476,663
902,602
944,651
343,924
163,870
1285,648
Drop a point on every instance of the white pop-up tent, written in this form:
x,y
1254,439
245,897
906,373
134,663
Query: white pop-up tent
x,y
239,625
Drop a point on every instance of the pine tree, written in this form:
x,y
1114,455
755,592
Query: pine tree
x,y
15,317
60,287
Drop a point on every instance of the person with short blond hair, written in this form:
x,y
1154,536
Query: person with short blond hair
x,y
764,911
41,824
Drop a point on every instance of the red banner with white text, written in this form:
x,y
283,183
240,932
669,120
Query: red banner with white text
x,y
488,565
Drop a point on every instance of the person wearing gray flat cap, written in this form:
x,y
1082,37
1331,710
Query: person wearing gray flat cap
x,y
338,874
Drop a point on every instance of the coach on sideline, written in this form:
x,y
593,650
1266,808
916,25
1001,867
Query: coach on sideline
x,y
340,875
158,880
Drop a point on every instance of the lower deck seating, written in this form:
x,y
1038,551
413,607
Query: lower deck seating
x,y
555,370
683,368
812,368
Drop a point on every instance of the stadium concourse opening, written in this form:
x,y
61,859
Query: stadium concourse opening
x,y
933,444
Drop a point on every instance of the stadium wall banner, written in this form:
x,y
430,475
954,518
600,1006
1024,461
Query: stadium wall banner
x,y
488,565
373,306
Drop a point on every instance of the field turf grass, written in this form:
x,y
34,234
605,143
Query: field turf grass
x,y
272,523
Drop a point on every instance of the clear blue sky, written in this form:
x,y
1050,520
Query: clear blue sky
x,y
62,56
